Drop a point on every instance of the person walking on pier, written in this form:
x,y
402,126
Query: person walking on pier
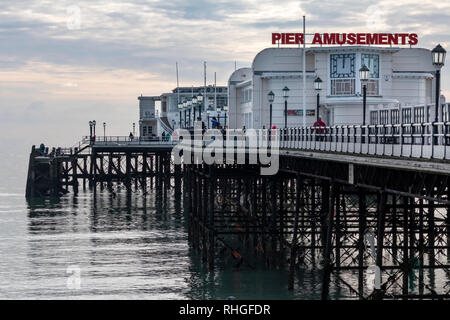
x,y
214,123
319,129
42,149
131,136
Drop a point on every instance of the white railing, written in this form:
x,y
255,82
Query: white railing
x,y
418,140
128,141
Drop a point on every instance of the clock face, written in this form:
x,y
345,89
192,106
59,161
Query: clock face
x,y
342,65
372,62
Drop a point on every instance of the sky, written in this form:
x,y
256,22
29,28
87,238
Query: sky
x,y
63,63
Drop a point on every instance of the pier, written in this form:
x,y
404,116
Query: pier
x,y
372,201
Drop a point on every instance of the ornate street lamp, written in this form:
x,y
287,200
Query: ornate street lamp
x,y
318,87
90,130
194,106
184,106
438,58
180,107
104,131
271,98
364,77
189,106
285,96
200,104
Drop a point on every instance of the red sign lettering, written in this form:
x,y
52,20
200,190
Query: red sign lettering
x,y
347,38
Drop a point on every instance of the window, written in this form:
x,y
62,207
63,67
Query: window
x,y
342,87
372,87
246,95
144,131
372,62
373,117
342,74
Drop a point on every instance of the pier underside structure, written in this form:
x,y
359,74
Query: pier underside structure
x,y
385,225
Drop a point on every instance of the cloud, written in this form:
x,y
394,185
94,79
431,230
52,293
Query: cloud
x,y
123,48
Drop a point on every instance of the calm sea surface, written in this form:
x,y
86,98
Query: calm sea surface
x,y
123,247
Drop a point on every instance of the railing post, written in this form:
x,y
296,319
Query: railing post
x,y
363,138
434,138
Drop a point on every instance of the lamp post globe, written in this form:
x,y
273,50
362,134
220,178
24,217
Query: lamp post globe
x,y
318,84
364,73
285,92
271,96
438,55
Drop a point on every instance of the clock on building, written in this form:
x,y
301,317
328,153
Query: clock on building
x,y
342,65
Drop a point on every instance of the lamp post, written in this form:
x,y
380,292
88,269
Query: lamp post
x,y
180,106
94,123
271,98
134,129
318,87
90,130
364,77
225,109
200,104
104,131
285,96
194,106
184,109
189,105
438,56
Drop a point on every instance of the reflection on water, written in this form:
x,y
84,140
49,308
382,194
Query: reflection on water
x,y
125,246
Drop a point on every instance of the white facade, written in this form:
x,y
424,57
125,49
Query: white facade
x,y
215,97
399,77
169,117
148,125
